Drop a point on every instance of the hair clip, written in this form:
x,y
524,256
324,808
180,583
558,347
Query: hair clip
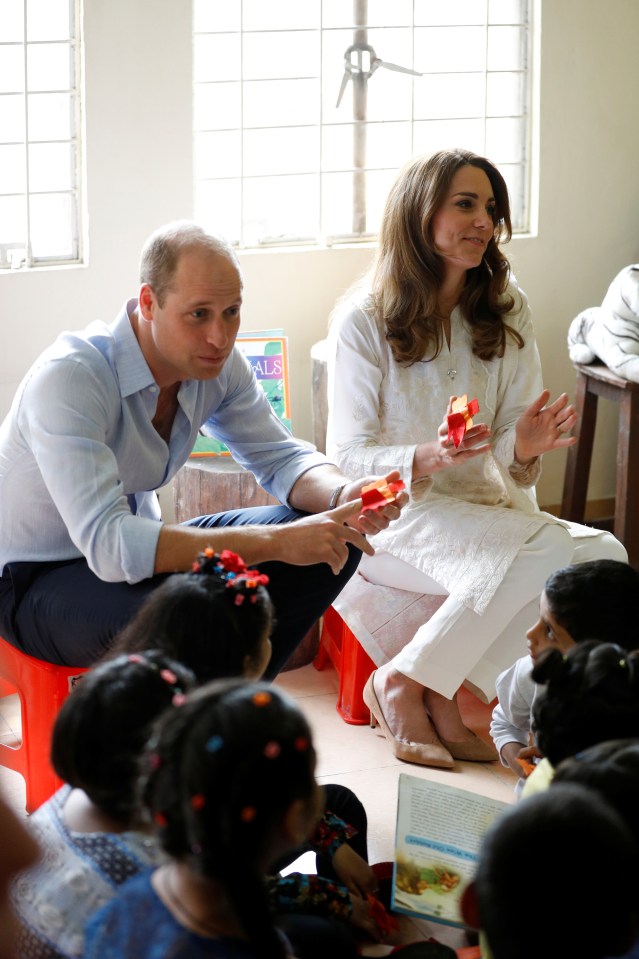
x,y
179,699
165,673
214,744
159,818
198,801
301,744
623,663
245,585
231,568
272,750
248,814
261,699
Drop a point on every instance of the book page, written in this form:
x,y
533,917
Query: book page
x,y
439,832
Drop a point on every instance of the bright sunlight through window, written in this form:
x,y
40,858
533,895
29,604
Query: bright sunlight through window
x,y
39,148
304,110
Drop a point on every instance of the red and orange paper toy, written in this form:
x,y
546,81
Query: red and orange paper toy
x,y
380,493
460,419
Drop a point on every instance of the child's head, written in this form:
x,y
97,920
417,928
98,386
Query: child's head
x,y
556,877
102,727
590,695
612,769
231,787
595,600
216,619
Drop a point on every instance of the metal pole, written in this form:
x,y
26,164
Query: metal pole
x,y
360,96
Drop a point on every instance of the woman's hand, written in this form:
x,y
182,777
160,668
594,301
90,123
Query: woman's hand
x,y
542,428
442,453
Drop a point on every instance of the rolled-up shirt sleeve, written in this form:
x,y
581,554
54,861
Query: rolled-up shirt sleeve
x,y
257,438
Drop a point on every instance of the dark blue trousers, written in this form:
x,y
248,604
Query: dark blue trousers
x,y
63,613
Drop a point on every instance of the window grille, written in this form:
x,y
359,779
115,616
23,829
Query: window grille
x,y
39,139
304,110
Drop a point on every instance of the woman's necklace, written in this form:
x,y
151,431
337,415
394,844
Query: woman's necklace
x,y
451,371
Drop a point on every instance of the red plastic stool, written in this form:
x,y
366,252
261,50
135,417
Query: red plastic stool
x,y
353,666
42,688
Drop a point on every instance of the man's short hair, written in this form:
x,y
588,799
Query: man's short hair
x,y
162,251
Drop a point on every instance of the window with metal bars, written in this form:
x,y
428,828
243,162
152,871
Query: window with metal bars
x,y
39,133
305,110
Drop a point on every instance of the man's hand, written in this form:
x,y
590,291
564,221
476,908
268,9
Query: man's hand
x,y
373,520
322,537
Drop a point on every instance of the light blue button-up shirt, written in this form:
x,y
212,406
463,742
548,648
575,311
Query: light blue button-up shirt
x,y
78,447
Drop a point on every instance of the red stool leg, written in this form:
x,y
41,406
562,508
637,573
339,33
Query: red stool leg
x,y
42,688
330,645
37,726
356,667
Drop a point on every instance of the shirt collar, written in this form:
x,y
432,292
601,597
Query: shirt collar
x,y
133,371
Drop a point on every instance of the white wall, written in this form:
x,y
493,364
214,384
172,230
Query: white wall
x,y
138,157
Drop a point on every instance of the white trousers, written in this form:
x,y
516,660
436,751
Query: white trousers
x,y
457,645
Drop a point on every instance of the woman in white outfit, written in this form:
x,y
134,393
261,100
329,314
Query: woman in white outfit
x,y
440,317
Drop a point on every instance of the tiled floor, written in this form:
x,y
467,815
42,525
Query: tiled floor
x,y
356,756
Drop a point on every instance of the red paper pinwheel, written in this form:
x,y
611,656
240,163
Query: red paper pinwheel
x,y
460,419
380,493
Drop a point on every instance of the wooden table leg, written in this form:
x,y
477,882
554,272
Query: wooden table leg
x,y
573,503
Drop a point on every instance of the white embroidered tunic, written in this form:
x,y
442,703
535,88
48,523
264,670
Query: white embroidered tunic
x,y
464,525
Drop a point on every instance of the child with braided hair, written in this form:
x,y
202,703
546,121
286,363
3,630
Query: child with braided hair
x,y
192,616
91,832
230,788
589,695
216,619
594,600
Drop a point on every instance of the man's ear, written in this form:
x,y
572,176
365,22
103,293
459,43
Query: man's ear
x,y
146,301
469,906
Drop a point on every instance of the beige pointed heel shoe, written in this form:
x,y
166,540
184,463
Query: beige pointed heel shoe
x,y
424,754
475,750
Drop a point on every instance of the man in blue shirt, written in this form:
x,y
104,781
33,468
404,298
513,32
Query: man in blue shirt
x,y
108,415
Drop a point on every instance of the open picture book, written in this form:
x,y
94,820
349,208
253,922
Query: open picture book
x,y
437,839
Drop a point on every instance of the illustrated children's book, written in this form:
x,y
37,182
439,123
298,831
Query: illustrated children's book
x,y
439,832
266,351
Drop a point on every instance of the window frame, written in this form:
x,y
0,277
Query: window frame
x,y
18,254
522,223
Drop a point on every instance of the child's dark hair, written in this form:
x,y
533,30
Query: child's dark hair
x,y
590,695
222,771
103,726
596,600
567,841
612,769
213,619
